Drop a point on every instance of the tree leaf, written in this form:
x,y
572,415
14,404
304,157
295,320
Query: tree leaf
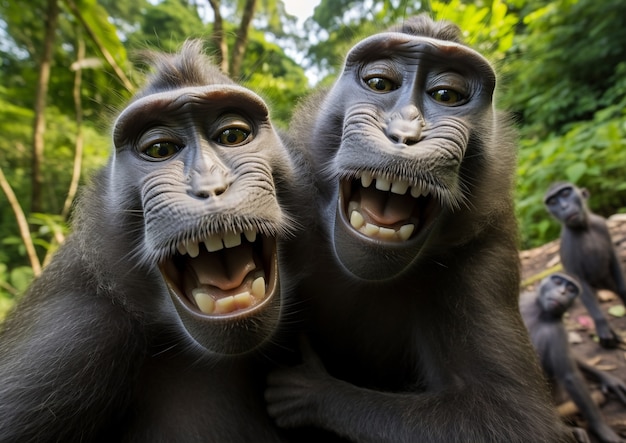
x,y
617,310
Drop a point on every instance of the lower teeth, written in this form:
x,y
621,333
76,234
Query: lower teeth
x,y
371,230
208,305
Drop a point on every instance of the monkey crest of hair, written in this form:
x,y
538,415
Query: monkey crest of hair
x,y
411,297
150,322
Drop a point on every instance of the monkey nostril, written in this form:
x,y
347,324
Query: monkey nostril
x,y
208,192
394,138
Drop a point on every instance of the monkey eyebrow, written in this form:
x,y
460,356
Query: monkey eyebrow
x,y
221,96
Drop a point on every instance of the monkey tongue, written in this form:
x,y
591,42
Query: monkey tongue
x,y
385,208
225,269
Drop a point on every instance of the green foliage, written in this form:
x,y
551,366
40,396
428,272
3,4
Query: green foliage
x,y
566,83
489,28
590,154
165,26
274,76
563,62
12,284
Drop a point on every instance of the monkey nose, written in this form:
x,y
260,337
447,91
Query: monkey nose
x,y
406,132
208,186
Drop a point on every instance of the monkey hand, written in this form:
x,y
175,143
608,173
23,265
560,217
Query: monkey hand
x,y
607,337
612,384
294,395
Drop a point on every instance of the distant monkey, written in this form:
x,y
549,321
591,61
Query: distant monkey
x,y
411,302
148,324
543,316
587,252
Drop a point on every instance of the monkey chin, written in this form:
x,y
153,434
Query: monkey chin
x,y
379,230
228,298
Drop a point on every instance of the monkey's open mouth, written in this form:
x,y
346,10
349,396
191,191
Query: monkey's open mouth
x,y
225,274
387,210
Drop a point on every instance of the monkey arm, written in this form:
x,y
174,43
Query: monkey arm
x,y
608,337
66,356
618,276
608,383
306,395
567,373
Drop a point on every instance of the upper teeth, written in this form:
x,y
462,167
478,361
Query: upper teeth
x,y
215,242
396,186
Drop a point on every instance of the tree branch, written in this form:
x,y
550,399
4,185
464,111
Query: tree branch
x,y
22,224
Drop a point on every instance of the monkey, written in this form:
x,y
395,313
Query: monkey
x,y
151,321
587,253
409,303
542,313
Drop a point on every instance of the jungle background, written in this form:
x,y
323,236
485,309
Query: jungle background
x,y
67,67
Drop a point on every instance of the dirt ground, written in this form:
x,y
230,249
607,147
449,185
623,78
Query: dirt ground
x,y
537,263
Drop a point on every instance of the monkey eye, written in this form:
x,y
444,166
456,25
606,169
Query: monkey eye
x,y
232,136
447,96
161,150
557,280
381,84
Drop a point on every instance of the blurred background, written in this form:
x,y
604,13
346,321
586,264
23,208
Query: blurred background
x,y
67,67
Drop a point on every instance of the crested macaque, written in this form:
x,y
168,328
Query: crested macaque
x,y
411,297
587,253
543,315
150,321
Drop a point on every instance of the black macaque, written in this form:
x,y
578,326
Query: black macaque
x,y
150,322
543,315
587,253
411,300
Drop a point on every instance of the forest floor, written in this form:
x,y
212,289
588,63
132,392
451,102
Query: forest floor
x,y
537,263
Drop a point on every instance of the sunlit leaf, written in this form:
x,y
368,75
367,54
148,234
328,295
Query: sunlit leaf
x,y
617,310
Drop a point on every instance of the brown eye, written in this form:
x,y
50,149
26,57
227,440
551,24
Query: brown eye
x,y
161,150
380,84
447,96
232,136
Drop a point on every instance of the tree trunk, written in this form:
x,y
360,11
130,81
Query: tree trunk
x,y
39,126
241,40
218,37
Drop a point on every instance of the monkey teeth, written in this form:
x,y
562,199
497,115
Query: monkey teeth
x,y
371,230
399,187
215,243
227,274
225,305
381,216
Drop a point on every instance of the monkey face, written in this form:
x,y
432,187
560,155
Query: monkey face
x,y
557,293
566,203
201,163
410,112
